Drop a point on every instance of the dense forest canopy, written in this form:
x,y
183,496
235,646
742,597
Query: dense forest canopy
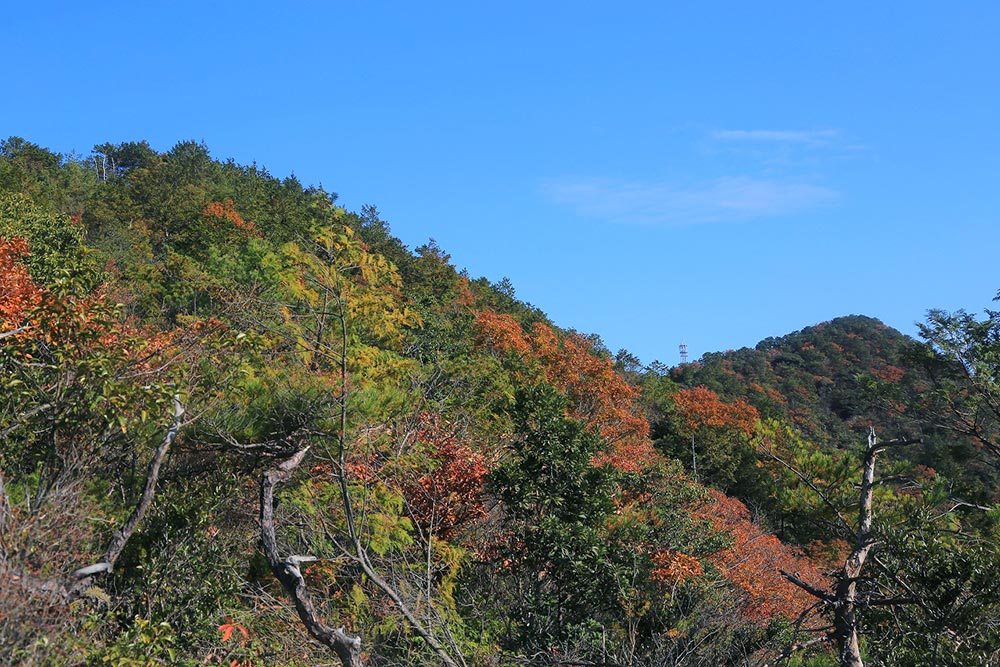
x,y
241,425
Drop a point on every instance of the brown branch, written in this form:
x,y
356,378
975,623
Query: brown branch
x,y
890,602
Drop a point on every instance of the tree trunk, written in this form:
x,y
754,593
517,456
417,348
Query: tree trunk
x,y
844,596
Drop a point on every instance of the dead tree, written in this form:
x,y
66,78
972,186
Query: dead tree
x,y
288,572
843,599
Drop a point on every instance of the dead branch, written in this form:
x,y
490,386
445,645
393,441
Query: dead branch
x,y
13,332
81,579
85,575
808,588
347,647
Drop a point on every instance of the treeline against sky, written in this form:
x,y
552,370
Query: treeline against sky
x,y
244,426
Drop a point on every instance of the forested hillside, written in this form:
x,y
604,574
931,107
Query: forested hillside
x,y
832,379
240,425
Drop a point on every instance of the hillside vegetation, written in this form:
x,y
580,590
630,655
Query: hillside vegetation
x,y
240,425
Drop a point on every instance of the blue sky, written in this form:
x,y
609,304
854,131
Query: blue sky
x,y
710,172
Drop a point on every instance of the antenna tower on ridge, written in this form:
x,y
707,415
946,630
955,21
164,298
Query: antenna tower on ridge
x,y
684,353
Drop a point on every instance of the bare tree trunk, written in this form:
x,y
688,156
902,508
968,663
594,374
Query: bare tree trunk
x,y
845,621
844,597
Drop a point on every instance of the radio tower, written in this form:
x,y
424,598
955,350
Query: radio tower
x,y
684,353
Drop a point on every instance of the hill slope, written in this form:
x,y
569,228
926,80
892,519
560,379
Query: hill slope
x,y
242,425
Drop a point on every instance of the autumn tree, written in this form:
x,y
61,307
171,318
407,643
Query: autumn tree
x,y
91,406
713,437
344,304
54,240
598,396
18,292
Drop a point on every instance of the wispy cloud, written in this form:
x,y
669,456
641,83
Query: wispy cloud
x,y
718,200
801,137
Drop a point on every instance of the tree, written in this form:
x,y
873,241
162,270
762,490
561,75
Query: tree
x,y
714,436
844,601
962,360
18,292
344,300
54,240
554,504
80,390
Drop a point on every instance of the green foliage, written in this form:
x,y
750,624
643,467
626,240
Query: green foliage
x,y
283,321
54,240
144,644
555,503
950,577
962,361
62,387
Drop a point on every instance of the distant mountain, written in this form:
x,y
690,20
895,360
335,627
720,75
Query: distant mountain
x,y
833,380
815,378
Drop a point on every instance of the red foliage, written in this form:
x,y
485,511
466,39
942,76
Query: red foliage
x,y
752,562
771,393
18,292
631,455
450,497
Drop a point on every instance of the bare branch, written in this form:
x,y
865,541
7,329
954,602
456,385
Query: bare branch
x,y
122,537
347,647
7,334
21,419
58,589
808,588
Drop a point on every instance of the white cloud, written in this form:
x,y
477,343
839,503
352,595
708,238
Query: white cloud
x,y
719,200
801,137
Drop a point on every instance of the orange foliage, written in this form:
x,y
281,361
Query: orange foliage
x,y
674,567
600,398
500,332
700,407
450,497
18,292
629,455
226,210
752,562
465,296
890,374
227,631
